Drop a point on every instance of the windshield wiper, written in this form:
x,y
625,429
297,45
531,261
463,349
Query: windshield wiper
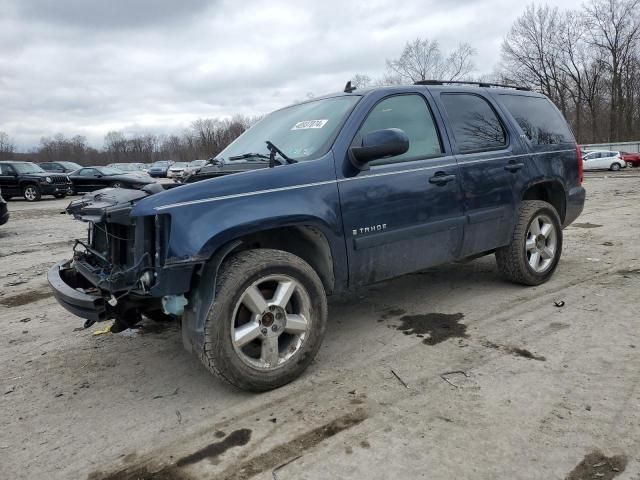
x,y
273,150
249,155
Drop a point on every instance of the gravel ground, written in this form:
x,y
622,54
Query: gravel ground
x,y
536,391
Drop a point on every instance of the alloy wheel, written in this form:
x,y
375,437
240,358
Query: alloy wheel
x,y
541,244
271,321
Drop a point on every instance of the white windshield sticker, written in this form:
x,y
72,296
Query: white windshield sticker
x,y
309,124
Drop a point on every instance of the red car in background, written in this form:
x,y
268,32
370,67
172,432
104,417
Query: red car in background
x,y
632,159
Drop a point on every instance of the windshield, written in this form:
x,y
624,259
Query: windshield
x,y
197,163
70,165
27,168
302,131
160,164
109,171
179,165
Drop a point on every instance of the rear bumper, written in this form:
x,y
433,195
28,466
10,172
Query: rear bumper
x,y
575,204
67,284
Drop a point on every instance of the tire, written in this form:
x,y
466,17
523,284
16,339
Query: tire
x,y
116,185
629,164
298,328
614,167
516,261
59,195
31,193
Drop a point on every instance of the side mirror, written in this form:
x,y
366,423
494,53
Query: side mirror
x,y
98,176
384,143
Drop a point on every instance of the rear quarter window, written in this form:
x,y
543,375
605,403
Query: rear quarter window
x,y
539,119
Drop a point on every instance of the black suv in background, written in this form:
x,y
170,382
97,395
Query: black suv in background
x,y
28,180
59,167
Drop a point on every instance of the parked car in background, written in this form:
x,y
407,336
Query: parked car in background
x,y
4,211
88,179
603,160
129,168
363,187
631,159
192,167
29,181
176,169
59,167
220,168
160,168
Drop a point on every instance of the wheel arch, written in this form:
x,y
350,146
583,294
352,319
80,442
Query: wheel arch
x,y
550,191
305,240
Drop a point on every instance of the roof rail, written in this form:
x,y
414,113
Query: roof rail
x,y
479,84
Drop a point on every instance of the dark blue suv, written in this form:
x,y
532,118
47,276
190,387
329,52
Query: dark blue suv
x,y
364,186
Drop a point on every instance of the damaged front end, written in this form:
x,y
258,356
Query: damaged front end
x,y
114,272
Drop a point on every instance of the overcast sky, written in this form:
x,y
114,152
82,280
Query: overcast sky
x,y
89,66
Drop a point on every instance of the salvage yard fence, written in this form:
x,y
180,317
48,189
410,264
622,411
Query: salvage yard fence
x,y
630,147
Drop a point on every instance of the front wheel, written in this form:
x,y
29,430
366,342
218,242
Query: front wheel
x,y
116,185
536,245
31,193
614,167
629,164
267,321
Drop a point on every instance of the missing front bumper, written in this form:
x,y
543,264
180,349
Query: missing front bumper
x,y
73,292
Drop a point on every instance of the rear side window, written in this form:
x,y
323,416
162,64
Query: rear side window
x,y
475,125
411,114
538,119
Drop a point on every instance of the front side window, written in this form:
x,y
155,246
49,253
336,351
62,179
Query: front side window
x,y
302,131
538,119
411,114
87,172
474,123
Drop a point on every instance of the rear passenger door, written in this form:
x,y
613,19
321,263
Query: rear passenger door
x,y
491,164
403,213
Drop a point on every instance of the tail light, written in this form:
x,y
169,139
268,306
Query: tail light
x,y
580,166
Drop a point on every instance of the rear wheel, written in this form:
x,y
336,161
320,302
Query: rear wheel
x,y
536,245
31,193
614,167
267,320
116,185
630,164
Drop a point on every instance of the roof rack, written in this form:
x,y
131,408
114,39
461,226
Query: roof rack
x,y
479,84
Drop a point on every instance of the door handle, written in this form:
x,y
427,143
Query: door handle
x,y
513,167
441,179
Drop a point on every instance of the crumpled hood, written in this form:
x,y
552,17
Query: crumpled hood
x,y
94,206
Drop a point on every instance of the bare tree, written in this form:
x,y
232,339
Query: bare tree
x,y
360,80
614,28
422,59
6,146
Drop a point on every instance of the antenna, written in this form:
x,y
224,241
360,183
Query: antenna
x,y
348,88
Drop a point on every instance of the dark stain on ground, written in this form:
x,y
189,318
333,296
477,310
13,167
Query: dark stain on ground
x,y
597,465
25,298
280,454
629,271
439,326
237,438
519,352
391,313
156,327
586,225
174,472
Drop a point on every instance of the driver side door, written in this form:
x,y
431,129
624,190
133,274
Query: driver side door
x,y
402,213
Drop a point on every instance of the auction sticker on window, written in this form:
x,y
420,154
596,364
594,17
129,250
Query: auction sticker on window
x,y
309,124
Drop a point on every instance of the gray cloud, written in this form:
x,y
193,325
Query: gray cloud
x,y
80,67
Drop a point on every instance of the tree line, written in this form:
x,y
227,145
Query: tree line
x,y
205,138
586,60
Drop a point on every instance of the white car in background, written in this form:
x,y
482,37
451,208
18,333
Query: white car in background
x,y
175,170
603,160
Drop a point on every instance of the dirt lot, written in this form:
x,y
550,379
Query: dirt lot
x,y
536,391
